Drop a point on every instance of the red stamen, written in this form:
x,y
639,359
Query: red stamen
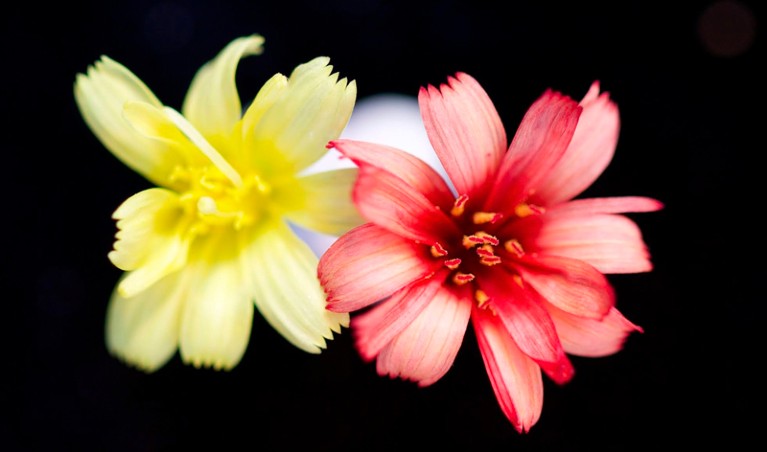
x,y
485,251
471,240
458,205
487,238
437,250
525,210
490,260
485,217
514,247
452,264
462,278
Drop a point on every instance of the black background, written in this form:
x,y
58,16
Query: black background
x,y
692,122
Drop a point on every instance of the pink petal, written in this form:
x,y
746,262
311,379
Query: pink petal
x,y
516,379
465,131
374,329
523,314
386,200
591,337
426,349
588,154
610,243
571,285
398,191
540,141
619,204
414,171
366,265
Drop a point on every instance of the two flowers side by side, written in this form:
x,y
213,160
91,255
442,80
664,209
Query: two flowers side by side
x,y
502,244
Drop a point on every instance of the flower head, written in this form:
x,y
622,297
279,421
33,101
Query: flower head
x,y
509,250
211,242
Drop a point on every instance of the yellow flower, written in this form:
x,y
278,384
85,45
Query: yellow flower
x,y
212,240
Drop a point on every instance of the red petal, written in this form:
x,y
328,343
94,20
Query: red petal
x,y
415,172
569,284
384,199
610,243
368,264
588,154
407,197
523,314
591,337
465,131
540,141
618,204
516,379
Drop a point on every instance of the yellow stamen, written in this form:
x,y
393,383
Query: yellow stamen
x,y
514,247
490,260
487,238
458,206
437,250
485,217
462,278
469,241
452,264
525,210
481,297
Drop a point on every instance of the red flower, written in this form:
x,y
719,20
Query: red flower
x,y
512,252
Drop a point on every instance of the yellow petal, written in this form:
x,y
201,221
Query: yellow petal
x,y
268,95
283,276
328,204
100,95
143,330
151,241
314,110
212,104
218,313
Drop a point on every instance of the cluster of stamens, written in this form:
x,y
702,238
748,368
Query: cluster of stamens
x,y
214,200
482,243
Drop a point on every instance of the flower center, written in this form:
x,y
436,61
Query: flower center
x,y
215,201
481,247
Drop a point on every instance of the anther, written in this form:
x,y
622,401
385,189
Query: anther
x,y
514,247
485,217
481,297
437,250
452,264
470,241
487,238
525,210
485,251
462,278
490,260
458,206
